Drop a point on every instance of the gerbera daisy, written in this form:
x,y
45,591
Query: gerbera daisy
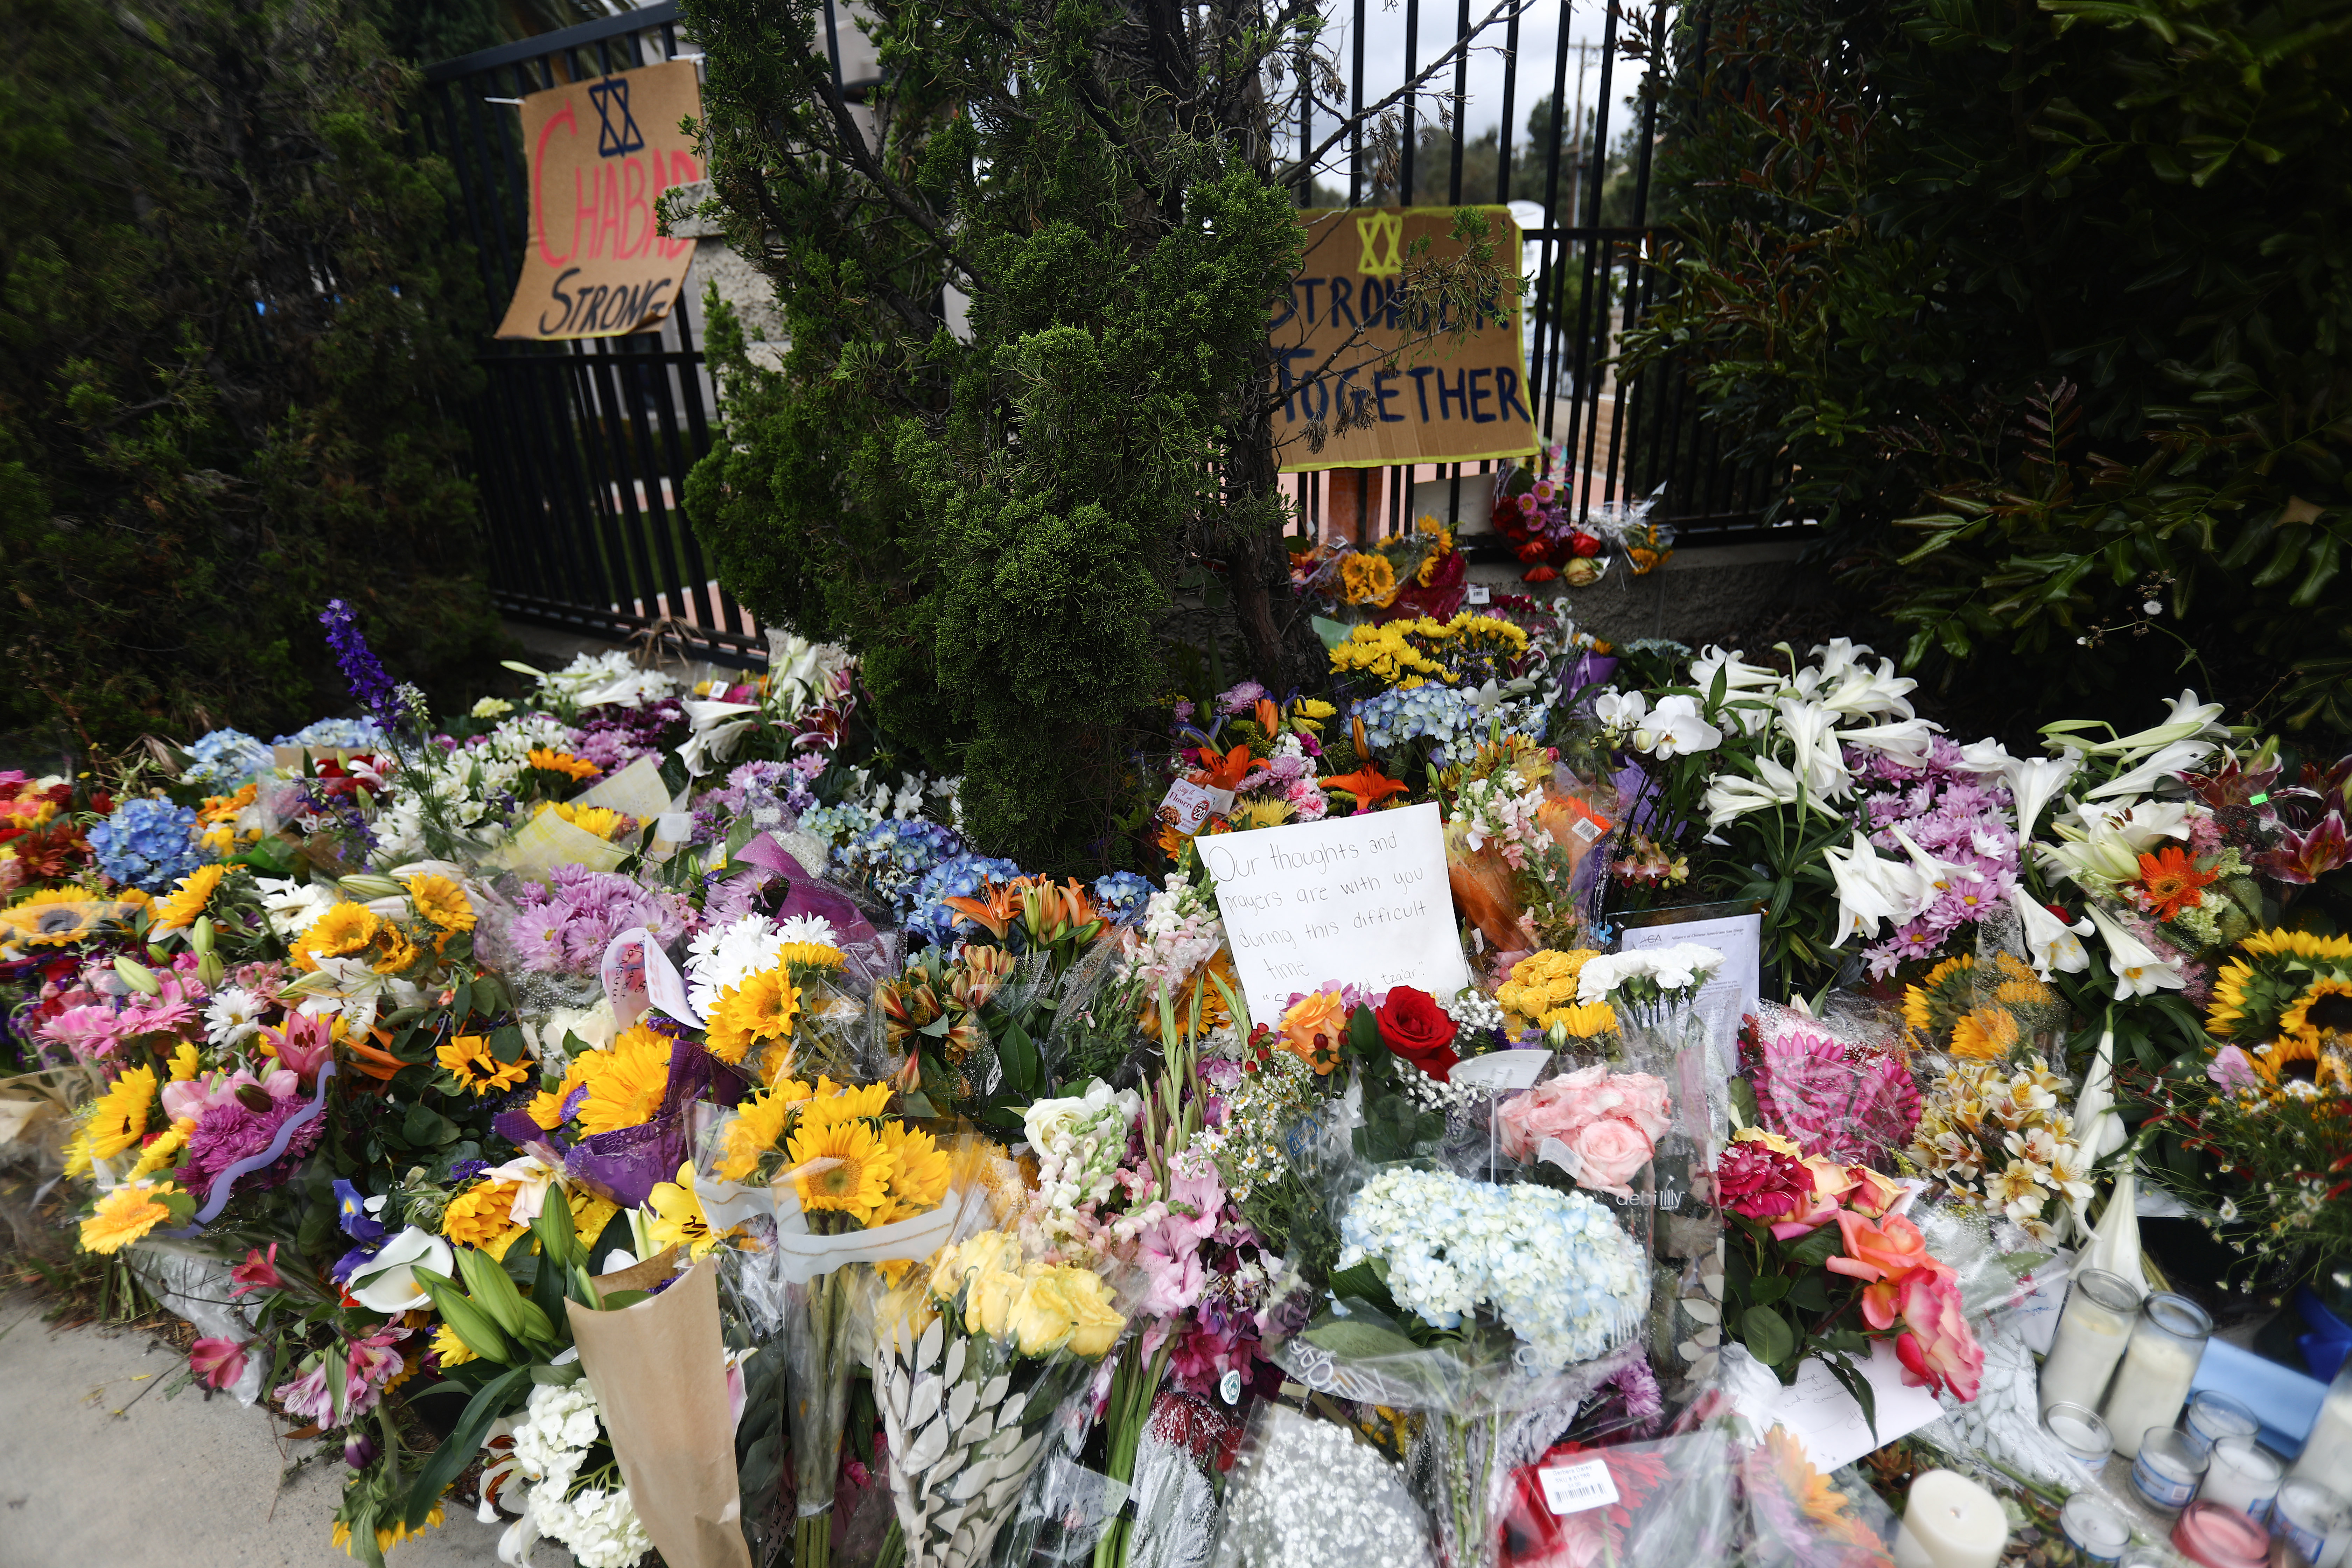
x,y
188,900
119,1116
125,1214
2172,882
856,1183
763,1007
442,901
625,1081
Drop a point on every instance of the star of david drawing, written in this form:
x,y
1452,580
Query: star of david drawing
x,y
613,140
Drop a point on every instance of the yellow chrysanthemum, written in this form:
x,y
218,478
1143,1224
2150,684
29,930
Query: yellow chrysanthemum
x,y
763,1007
483,1215
387,1536
1584,1020
125,1214
625,1081
590,1214
468,1060
758,1127
810,955
1985,1034
119,1116
442,901
678,1218
564,763
858,1182
449,1348
162,1149
344,930
188,900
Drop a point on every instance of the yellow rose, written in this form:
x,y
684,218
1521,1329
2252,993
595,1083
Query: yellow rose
x,y
989,1251
989,1302
1043,1316
1097,1322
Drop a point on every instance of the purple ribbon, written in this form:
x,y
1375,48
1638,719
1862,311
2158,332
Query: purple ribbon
x,y
224,1183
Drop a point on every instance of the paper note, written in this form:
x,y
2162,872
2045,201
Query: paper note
x,y
1572,1489
1187,805
1359,899
1819,1412
1730,992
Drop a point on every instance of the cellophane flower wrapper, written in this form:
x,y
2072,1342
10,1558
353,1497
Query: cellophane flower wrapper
x,y
625,1165
1796,1517
1838,1091
1309,1493
1677,1503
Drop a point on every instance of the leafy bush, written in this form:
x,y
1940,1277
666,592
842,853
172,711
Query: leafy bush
x,y
230,316
2047,305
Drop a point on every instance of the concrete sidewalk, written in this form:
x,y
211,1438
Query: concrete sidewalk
x,y
100,1469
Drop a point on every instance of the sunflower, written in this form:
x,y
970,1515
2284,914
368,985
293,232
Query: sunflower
x,y
1368,577
2296,1057
599,820
468,1060
344,930
442,901
2323,1009
763,1007
2018,986
1935,1005
1986,1034
56,917
858,1182
549,761
546,1108
2298,944
920,1178
119,1118
810,955
387,1536
758,1127
483,1215
625,1081
125,1214
2172,882
186,1062
188,900
398,952
831,1101
2227,1008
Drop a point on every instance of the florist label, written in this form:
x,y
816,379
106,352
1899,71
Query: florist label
x,y
601,153
1346,318
1361,900
1572,1489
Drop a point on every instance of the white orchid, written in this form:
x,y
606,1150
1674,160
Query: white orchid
x,y
2139,971
2051,943
1618,711
1675,726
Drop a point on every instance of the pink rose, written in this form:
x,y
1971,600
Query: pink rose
x,y
1575,1101
1935,1348
1608,1152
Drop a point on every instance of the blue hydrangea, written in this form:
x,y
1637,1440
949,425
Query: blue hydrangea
x,y
1122,895
896,853
837,824
336,735
226,759
147,843
957,877
1448,717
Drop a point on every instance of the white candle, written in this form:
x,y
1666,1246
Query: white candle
x,y
2152,1384
2092,1333
2241,1476
1950,1522
2327,1454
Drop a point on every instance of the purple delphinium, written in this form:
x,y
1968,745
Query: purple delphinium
x,y
361,669
1956,815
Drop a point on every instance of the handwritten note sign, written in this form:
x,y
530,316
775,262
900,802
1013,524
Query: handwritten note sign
x,y
1819,1412
600,152
1360,899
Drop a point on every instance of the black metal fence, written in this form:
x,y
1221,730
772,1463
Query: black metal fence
x,y
582,447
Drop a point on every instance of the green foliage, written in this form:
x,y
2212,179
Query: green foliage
x,y
2068,279
227,369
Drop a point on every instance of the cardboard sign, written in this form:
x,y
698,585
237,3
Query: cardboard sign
x,y
601,153
1445,401
1360,899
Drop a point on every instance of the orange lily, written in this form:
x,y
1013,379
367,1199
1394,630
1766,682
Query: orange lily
x,y
1269,718
996,908
1368,785
379,1065
1229,771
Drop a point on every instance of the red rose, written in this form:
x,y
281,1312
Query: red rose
x,y
1417,1029
1584,544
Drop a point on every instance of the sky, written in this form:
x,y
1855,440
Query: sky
x,y
1384,40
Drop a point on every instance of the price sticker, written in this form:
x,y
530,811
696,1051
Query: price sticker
x,y
1478,594
1572,1489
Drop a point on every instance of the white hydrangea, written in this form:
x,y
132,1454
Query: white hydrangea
x,y
599,1526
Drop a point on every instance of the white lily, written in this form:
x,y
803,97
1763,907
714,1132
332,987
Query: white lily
x,y
2034,783
387,1283
718,729
1906,741
1870,890
1987,756
1738,674
532,1179
2184,719
2098,1127
2114,1245
1935,874
2051,943
2139,971
1811,731
1734,795
1863,693
1838,656
2167,760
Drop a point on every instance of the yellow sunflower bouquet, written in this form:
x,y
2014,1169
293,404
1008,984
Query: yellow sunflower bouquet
x,y
792,1018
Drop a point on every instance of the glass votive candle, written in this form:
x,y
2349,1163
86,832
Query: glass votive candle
x,y
2220,1537
2078,1429
2304,1516
2094,1528
2167,1469
2092,1331
2213,1415
2241,1474
2327,1452
2158,1365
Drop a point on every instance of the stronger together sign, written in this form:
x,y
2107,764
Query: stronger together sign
x,y
602,152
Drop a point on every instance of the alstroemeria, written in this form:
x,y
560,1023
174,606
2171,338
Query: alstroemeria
x,y
257,1272
217,1363
2049,942
2139,971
